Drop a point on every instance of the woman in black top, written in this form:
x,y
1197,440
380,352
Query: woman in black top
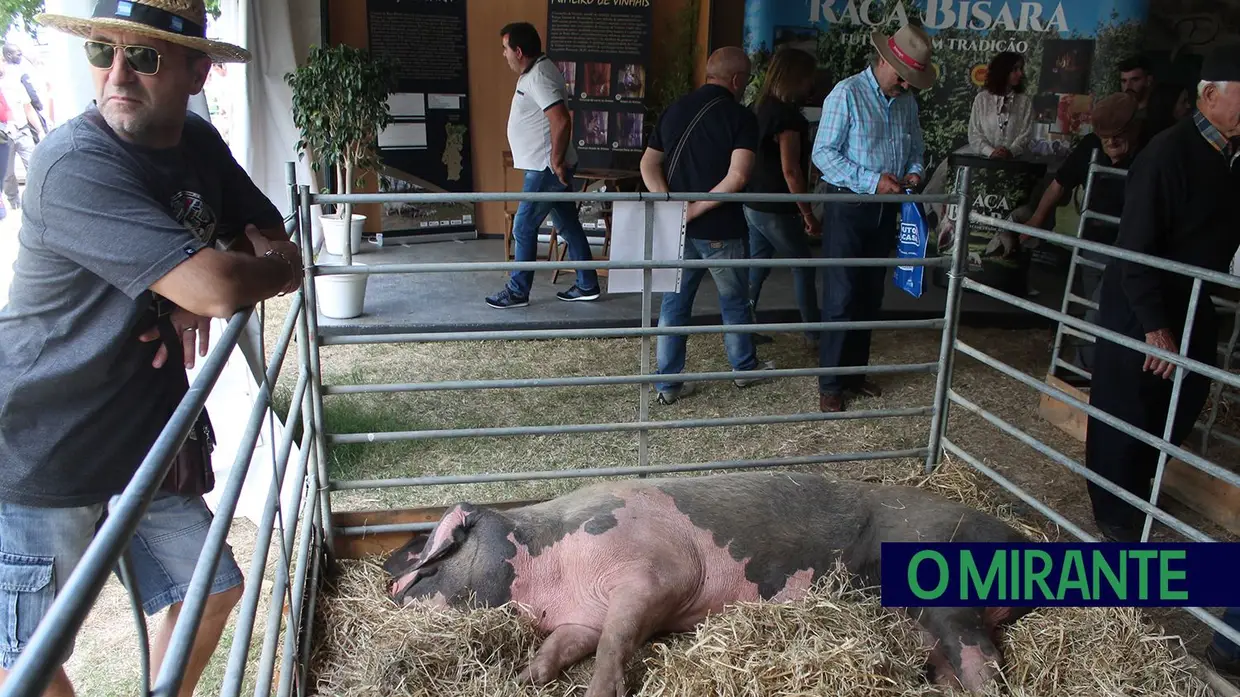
x,y
779,168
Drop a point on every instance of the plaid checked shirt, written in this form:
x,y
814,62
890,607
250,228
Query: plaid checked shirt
x,y
1212,134
864,134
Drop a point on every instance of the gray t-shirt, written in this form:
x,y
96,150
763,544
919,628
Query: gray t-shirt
x,y
80,402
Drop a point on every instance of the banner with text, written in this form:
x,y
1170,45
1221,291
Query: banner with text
x,y
1071,48
1059,574
427,148
602,47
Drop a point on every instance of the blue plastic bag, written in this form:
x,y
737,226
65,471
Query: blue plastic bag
x,y
911,245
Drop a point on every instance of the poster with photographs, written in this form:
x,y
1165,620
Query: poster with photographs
x,y
603,51
427,147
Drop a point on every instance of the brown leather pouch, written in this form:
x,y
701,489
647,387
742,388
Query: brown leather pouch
x,y
191,473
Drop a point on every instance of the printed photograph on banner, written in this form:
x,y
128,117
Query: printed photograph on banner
x,y
591,127
569,70
597,82
628,130
418,216
631,83
1066,65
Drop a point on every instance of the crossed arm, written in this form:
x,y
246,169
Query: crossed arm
x,y
734,182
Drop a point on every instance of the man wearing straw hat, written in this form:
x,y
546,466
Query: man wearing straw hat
x,y
869,142
121,266
1179,204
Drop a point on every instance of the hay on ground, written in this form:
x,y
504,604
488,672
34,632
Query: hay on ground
x,y
838,640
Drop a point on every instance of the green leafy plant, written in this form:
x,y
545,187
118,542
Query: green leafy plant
x,y
24,11
674,79
340,106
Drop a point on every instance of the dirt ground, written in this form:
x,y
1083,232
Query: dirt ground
x,y
109,634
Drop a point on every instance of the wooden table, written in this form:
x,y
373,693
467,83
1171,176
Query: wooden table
x,y
609,180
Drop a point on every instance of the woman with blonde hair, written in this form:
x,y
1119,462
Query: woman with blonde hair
x,y
1001,122
780,168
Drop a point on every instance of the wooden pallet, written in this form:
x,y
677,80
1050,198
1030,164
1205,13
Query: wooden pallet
x,y
1216,500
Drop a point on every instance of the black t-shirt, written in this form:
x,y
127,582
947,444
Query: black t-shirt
x,y
707,154
1107,196
776,117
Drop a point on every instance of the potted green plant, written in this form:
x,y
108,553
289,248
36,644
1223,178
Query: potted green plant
x,y
340,105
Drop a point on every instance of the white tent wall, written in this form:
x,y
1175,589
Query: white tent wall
x,y
263,141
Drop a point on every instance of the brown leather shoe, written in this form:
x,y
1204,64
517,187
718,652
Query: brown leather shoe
x,y
868,389
830,402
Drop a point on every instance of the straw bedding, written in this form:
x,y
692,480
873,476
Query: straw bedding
x,y
837,641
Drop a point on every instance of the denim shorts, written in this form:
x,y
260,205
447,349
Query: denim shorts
x,y
40,547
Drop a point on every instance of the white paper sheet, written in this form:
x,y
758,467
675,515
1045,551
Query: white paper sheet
x,y
403,135
628,238
443,101
407,104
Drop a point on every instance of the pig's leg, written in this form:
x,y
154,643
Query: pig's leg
x,y
940,664
966,641
565,646
635,611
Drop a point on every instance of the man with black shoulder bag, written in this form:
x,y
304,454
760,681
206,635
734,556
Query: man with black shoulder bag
x,y
705,142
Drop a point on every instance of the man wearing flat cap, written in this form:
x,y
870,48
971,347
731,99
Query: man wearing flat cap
x,y
1117,135
1179,205
138,226
869,142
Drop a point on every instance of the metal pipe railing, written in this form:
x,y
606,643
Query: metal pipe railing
x,y
951,322
621,426
482,266
644,378
172,671
613,196
768,463
594,472
38,662
619,332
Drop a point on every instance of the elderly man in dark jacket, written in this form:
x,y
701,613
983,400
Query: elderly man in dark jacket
x,y
1179,205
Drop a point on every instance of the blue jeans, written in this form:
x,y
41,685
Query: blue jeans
x,y
1231,616
40,547
677,308
771,233
851,293
530,216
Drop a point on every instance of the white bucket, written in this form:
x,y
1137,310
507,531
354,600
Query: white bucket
x,y
333,234
341,296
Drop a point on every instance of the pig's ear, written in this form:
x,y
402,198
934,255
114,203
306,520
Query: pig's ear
x,y
406,557
448,536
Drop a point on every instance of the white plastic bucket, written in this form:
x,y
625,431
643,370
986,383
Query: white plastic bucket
x,y
341,296
333,234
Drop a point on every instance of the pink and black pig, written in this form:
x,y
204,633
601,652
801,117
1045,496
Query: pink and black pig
x,y
607,567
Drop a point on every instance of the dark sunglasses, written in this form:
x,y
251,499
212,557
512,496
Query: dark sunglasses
x,y
143,60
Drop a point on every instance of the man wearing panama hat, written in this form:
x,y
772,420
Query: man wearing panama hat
x,y
869,142
138,227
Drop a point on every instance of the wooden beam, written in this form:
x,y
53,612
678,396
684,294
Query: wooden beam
x,y
1212,498
1071,420
384,543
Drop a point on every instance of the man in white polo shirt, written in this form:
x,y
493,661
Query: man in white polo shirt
x,y
539,135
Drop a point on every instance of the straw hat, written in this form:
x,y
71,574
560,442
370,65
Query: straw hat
x,y
908,51
1114,115
181,22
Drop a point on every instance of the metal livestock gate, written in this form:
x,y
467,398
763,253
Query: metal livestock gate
x,y
311,528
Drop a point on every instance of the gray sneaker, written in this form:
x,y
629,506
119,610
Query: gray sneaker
x,y
670,396
746,382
